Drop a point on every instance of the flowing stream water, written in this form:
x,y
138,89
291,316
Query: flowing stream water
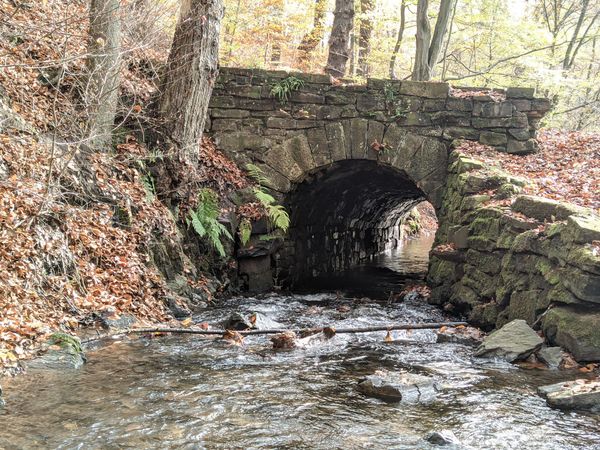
x,y
187,392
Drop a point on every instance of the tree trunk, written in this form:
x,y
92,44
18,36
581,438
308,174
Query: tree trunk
x,y
568,60
192,69
339,41
447,46
313,37
441,25
421,71
104,67
398,40
364,36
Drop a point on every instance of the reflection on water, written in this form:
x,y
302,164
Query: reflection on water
x,y
412,257
186,392
386,273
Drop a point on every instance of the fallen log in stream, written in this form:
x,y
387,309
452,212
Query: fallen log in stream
x,y
303,331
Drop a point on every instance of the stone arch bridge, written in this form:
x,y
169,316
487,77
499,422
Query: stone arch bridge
x,y
349,161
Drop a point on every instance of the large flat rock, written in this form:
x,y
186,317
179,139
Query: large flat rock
x,y
577,394
513,342
399,387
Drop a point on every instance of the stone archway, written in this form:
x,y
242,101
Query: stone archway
x,y
379,147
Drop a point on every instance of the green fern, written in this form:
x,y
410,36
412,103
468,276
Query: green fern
x,y
245,231
149,186
278,216
284,88
204,221
257,174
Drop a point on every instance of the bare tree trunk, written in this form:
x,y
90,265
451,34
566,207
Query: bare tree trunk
x,y
421,71
315,35
398,40
104,67
364,36
445,58
339,42
233,31
441,25
568,60
584,39
192,69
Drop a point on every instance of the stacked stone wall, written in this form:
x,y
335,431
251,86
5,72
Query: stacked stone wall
x,y
533,258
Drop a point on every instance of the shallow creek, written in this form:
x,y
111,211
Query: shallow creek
x,y
189,392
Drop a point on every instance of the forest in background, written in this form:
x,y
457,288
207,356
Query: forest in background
x,y
547,44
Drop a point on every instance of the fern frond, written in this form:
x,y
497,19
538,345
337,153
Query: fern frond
x,y
257,174
245,231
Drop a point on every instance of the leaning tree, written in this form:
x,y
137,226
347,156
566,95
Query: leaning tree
x,y
192,69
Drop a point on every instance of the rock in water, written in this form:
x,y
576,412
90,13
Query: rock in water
x,y
443,437
551,356
396,387
1,399
513,342
65,352
254,321
577,394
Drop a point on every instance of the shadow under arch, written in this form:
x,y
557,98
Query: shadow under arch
x,y
342,214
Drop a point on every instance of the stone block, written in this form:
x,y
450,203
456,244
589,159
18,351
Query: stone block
x,y
228,113
222,101
493,138
493,109
459,104
582,228
299,149
522,147
358,138
451,133
319,145
434,105
306,97
522,105
426,89
541,104
583,285
340,97
575,328
374,135
281,159
338,144
520,134
452,118
414,119
520,92
543,209
369,102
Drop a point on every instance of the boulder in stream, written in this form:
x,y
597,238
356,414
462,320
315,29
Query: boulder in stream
x,y
399,387
1,399
577,394
551,356
443,437
515,341
64,353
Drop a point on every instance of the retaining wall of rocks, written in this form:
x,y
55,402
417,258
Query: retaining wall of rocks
x,y
501,256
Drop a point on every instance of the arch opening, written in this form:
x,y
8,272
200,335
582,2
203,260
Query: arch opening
x,y
344,214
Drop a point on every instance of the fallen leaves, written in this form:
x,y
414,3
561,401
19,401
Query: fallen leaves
x,y
566,168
